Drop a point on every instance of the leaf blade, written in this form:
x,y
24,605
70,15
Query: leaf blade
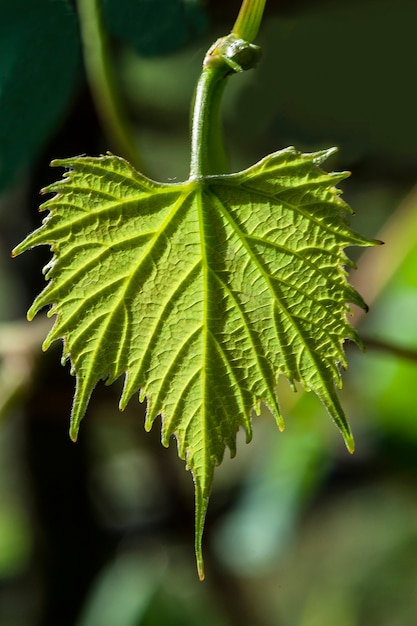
x,y
201,293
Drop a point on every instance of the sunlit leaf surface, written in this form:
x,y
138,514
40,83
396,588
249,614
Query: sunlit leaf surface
x,y
201,293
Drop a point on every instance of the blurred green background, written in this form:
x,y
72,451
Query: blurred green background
x,y
299,533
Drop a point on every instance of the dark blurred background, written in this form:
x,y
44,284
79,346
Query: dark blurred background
x,y
299,533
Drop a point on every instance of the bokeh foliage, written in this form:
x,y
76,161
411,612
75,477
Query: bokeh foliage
x,y
327,538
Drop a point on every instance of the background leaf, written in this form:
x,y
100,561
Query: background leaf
x,y
39,59
370,113
156,27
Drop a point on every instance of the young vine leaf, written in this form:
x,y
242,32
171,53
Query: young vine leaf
x,y
201,293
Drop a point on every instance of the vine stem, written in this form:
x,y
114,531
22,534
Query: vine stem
x,y
208,155
394,349
102,82
228,55
249,19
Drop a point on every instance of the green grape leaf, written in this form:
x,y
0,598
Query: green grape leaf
x,y
201,293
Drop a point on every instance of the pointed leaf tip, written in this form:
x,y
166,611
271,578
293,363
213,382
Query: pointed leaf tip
x,y
74,429
200,569
201,503
350,444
